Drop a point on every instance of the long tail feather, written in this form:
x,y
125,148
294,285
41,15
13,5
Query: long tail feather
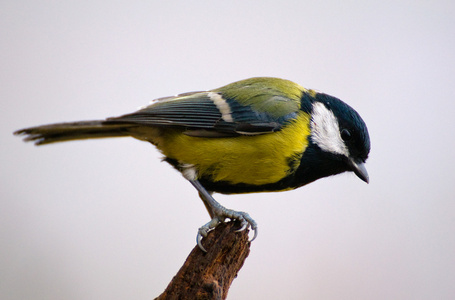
x,y
61,132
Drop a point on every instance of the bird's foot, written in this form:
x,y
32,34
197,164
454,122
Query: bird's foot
x,y
221,214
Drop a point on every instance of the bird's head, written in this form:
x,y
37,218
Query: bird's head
x,y
340,133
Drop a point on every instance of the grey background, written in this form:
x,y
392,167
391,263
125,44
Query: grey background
x,y
106,219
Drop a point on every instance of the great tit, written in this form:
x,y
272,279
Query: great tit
x,y
256,135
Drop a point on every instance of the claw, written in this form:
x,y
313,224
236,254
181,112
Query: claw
x,y
204,230
255,234
254,227
246,222
199,242
244,226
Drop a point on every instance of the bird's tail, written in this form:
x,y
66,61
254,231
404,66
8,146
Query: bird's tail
x,y
61,132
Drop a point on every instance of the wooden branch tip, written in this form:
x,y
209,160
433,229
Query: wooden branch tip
x,y
209,275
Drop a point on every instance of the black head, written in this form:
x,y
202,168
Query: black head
x,y
340,133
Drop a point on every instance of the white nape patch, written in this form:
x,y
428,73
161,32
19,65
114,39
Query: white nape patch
x,y
222,106
325,130
189,172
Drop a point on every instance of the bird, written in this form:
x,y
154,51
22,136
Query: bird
x,y
261,134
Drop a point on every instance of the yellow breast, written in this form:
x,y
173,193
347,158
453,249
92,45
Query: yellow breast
x,y
257,159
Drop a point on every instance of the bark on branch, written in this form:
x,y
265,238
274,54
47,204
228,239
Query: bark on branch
x,y
209,275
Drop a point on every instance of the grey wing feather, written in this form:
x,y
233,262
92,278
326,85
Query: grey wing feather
x,y
190,110
198,114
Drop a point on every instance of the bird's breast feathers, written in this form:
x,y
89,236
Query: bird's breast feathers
x,y
254,160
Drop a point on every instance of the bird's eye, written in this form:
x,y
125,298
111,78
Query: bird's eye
x,y
345,135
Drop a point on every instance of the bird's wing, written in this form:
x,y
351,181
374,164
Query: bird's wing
x,y
245,109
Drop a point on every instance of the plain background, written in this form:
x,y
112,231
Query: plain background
x,y
105,219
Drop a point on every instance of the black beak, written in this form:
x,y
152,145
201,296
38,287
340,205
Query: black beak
x,y
360,170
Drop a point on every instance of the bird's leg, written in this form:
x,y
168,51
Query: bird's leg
x,y
207,205
219,213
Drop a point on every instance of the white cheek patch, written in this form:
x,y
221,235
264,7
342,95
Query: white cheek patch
x,y
325,131
222,106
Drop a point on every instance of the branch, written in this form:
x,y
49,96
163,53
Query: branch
x,y
209,275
